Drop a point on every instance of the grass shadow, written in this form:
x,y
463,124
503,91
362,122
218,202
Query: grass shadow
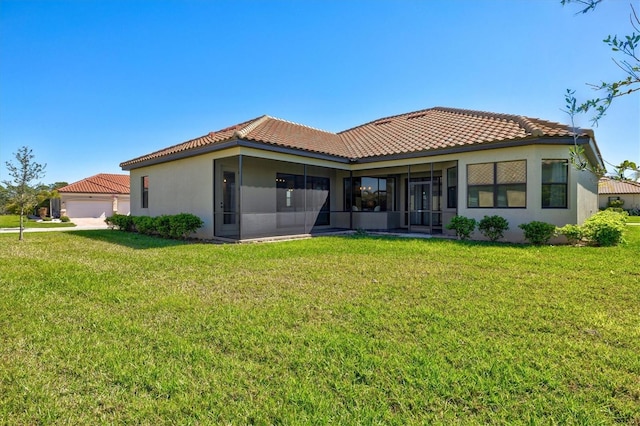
x,y
130,239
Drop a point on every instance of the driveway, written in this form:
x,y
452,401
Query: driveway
x,y
89,223
82,224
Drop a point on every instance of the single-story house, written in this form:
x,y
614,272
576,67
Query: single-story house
x,y
269,177
611,189
96,196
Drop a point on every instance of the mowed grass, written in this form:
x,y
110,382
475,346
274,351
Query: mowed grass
x,y
13,221
633,219
108,327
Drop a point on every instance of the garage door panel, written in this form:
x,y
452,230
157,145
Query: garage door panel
x,y
89,208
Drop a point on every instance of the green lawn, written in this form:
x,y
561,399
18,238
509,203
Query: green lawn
x,y
108,327
13,221
633,219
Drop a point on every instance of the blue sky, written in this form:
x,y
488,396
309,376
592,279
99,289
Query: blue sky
x,y
89,84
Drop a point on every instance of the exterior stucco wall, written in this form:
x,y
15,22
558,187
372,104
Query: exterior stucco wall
x,y
582,189
187,185
182,186
586,197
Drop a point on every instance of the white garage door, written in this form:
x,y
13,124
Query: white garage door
x,y
89,208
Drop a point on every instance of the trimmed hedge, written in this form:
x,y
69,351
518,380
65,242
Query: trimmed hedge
x,y
167,226
605,228
121,222
538,233
493,227
573,233
464,226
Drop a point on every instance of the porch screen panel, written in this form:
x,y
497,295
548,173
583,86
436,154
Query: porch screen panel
x,y
369,194
452,187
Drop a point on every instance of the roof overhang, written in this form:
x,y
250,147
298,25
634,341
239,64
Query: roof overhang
x,y
584,140
234,143
591,151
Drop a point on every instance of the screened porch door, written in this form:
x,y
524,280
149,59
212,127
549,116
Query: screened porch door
x,y
227,218
419,205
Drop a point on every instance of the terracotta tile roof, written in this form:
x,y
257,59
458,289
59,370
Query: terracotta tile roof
x,y
102,183
612,186
429,129
274,131
439,128
209,139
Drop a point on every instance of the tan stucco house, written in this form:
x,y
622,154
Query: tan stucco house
x,y
611,189
100,195
268,177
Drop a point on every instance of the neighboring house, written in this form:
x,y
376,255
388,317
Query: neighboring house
x,y
268,177
611,189
96,196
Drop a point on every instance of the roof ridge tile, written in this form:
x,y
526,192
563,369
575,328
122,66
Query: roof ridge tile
x,y
241,133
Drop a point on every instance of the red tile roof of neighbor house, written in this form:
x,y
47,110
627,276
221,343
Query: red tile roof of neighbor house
x,y
612,186
425,130
102,183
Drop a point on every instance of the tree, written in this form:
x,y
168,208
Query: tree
x,y
20,190
4,199
629,63
46,193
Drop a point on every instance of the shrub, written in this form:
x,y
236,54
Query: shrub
x,y
493,227
64,219
634,211
361,232
573,233
616,204
615,209
167,226
163,225
605,228
464,226
120,221
183,224
144,224
538,233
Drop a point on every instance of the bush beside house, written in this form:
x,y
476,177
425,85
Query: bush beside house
x,y
178,226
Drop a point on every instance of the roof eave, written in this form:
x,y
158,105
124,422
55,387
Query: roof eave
x,y
231,144
566,140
